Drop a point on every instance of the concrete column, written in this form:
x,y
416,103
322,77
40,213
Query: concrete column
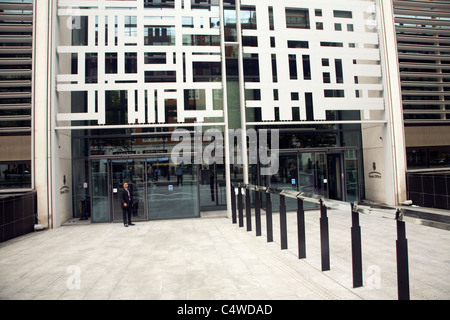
x,y
42,104
394,137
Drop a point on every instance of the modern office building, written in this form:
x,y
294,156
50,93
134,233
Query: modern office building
x,y
16,78
150,91
423,37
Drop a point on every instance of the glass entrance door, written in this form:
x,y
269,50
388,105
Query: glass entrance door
x,y
212,187
336,187
132,172
313,173
100,195
332,175
160,189
172,191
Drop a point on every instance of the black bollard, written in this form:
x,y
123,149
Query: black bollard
x,y
269,225
258,212
324,237
283,223
248,209
356,250
402,260
301,229
240,208
233,205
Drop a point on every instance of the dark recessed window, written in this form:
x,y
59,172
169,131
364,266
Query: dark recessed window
x,y
342,14
297,18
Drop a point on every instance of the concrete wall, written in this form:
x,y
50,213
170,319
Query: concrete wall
x,y
384,145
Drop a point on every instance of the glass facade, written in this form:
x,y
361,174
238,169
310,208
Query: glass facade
x,y
132,76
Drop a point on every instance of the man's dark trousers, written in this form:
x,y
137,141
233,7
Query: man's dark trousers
x,y
126,211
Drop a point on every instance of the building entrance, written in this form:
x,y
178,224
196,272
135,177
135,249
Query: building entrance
x,y
333,174
161,190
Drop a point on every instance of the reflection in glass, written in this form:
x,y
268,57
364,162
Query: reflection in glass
x,y
100,201
167,184
132,172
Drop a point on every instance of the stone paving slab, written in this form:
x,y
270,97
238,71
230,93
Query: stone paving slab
x,y
212,259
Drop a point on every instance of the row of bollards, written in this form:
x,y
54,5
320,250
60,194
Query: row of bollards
x,y
356,244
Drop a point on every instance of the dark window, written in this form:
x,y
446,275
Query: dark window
x,y
297,18
334,94
309,106
298,44
110,62
250,41
306,68
293,67
331,44
91,68
295,113
155,58
207,71
339,72
130,62
342,14
274,69
271,22
160,76
248,17
154,4
159,35
251,68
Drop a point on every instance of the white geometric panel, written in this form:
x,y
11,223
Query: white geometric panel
x,y
168,45
327,48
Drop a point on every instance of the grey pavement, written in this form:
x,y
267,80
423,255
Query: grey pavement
x,y
212,259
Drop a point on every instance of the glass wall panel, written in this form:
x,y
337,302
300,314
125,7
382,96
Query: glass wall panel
x,y
100,196
287,179
169,198
212,187
132,172
15,175
351,175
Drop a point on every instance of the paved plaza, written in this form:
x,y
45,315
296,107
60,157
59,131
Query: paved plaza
x,y
212,259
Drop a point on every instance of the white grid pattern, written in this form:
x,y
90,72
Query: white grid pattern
x,y
150,110
366,44
107,13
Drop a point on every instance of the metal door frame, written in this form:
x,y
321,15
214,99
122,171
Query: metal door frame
x,y
111,193
110,158
342,177
328,151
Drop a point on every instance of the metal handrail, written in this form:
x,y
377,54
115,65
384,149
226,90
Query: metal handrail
x,y
324,203
396,213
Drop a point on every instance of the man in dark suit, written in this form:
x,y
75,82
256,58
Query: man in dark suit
x,y
126,199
